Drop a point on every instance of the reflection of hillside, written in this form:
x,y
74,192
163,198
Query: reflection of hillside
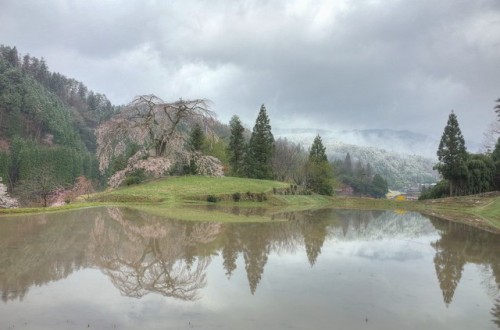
x,y
459,245
39,249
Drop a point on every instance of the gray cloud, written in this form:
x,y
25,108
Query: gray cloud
x,y
326,64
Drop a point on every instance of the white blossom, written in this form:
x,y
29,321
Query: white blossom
x,y
7,202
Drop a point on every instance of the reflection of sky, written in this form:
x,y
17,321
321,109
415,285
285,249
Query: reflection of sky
x,y
376,277
355,284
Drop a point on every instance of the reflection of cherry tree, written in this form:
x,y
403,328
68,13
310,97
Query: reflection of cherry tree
x,y
146,256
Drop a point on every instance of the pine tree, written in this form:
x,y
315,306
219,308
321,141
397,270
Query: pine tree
x,y
236,148
495,156
319,171
260,148
196,138
497,108
347,166
379,187
452,156
317,154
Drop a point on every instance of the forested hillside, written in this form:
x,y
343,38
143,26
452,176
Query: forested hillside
x,y
46,125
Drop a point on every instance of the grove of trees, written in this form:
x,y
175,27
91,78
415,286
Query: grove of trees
x,y
463,173
47,123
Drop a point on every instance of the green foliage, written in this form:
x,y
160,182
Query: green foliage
x,y
260,148
452,156
347,165
317,154
39,185
319,178
135,177
319,173
212,199
361,178
48,117
379,187
196,138
216,148
495,156
236,148
480,174
440,190
236,197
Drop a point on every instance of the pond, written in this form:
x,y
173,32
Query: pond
x,y
116,268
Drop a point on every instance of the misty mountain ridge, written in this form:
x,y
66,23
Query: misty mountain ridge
x,y
395,141
401,169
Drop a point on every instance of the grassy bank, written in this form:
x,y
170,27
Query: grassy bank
x,y
180,196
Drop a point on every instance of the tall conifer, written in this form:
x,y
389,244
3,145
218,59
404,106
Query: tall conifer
x,y
319,171
452,156
260,148
236,147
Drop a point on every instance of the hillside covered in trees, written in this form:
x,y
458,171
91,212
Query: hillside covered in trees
x,y
46,126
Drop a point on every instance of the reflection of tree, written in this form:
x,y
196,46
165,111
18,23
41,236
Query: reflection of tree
x,y
449,265
230,250
495,312
460,244
255,252
314,229
145,255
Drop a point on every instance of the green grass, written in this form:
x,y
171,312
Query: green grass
x,y
177,189
490,211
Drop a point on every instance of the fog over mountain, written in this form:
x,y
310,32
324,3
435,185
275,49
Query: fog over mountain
x,y
403,158
394,141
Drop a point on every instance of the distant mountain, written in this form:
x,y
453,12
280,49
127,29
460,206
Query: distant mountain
x,y
390,140
398,141
401,169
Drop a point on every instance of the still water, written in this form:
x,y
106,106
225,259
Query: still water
x,y
116,268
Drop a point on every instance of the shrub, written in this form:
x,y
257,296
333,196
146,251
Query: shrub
x,y
132,180
236,197
212,199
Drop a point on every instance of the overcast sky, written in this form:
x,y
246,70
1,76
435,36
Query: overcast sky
x,y
348,64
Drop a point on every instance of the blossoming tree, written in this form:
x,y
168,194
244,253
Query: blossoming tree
x,y
160,131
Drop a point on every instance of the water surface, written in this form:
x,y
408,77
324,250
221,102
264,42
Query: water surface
x,y
116,268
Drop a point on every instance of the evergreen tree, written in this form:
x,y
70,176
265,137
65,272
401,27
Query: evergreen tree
x,y
347,166
452,156
379,187
319,171
317,154
497,108
481,174
196,138
260,148
495,156
236,148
